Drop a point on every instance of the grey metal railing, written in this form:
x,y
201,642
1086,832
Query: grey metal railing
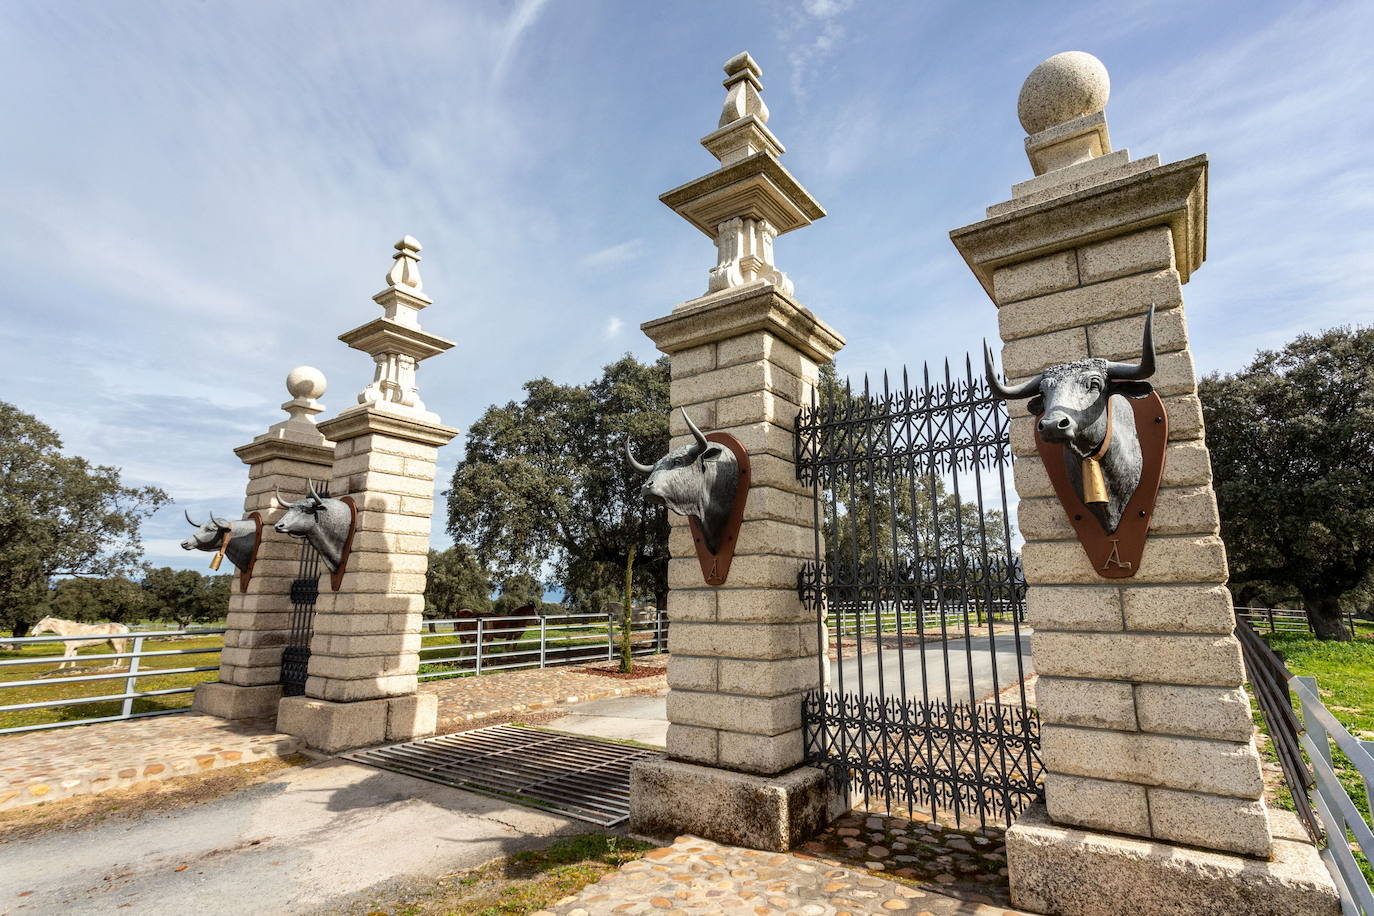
x,y
1341,818
479,645
134,671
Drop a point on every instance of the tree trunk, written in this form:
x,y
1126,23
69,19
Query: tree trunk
x,y
627,663
1324,613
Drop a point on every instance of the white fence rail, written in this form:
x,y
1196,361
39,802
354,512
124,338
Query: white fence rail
x,y
1345,825
483,644
1282,619
132,663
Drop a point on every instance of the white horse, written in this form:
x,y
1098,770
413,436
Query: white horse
x,y
111,633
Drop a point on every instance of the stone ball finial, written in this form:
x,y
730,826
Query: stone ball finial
x,y
1064,87
305,382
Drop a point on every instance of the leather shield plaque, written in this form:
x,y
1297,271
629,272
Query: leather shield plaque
x,y
246,575
715,567
336,577
1116,555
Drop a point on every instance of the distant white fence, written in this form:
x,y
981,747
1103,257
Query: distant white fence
x,y
1343,822
134,670
869,620
1282,619
483,644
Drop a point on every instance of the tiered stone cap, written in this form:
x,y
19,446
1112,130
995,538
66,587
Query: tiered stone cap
x,y
751,199
396,342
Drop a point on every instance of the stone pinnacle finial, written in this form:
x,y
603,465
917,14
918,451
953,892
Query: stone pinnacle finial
x,y
406,270
396,342
742,90
1061,106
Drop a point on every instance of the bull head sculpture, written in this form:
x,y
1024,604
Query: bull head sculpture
x,y
1082,405
324,522
233,539
699,480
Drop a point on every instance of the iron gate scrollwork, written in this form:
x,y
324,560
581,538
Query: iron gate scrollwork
x,y
918,592
305,592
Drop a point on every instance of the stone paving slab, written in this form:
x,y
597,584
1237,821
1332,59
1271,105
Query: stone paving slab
x,y
507,694
697,876
84,759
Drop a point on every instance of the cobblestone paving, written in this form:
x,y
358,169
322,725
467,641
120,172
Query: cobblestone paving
x,y
697,876
48,765
968,863
507,694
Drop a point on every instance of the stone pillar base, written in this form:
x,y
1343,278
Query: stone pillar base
x,y
333,727
774,813
1064,871
232,701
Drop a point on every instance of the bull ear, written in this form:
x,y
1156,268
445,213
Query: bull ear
x,y
1036,405
713,452
1132,389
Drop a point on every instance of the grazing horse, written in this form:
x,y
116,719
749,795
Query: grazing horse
x,y
112,633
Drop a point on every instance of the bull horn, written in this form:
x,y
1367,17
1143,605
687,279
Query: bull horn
x,y
1146,368
187,513
696,434
276,494
319,500
641,468
1008,392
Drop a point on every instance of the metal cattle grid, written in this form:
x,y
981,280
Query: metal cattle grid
x,y
915,564
583,778
305,592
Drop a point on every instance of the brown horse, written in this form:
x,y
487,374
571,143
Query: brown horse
x,y
466,628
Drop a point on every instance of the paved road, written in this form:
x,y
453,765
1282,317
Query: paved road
x,y
645,719
961,652
642,719
308,841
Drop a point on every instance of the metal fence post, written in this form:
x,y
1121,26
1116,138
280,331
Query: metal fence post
x,y
1310,723
543,640
1271,620
479,645
131,682
610,637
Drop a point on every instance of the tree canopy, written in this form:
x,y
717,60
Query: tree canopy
x,y
456,582
1292,443
185,596
59,516
544,489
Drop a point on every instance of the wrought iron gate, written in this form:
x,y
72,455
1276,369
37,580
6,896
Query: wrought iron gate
x,y
918,592
305,591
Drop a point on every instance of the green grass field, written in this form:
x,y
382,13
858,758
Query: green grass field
x,y
1345,680
88,663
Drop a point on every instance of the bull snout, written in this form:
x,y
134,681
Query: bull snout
x,y
1056,426
189,544
650,493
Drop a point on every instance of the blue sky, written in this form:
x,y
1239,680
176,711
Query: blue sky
x,y
200,196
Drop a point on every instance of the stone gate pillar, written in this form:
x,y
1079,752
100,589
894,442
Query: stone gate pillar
x,y
287,456
364,657
1153,792
744,358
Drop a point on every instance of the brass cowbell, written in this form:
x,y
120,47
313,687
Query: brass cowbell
x,y
216,560
1094,484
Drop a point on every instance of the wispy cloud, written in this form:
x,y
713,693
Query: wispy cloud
x,y
615,254
614,326
814,32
